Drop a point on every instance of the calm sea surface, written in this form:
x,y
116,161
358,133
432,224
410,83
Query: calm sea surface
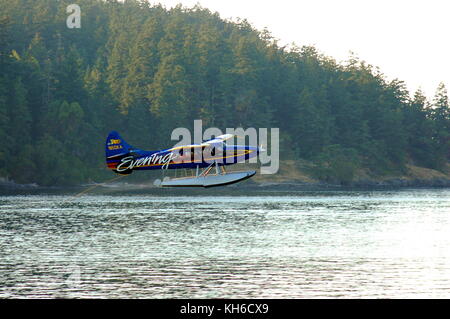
x,y
355,244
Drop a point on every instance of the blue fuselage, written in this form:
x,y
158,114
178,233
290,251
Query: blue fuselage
x,y
182,157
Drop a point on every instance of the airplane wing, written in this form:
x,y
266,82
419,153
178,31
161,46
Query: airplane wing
x,y
218,139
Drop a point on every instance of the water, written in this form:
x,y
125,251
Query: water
x,y
379,244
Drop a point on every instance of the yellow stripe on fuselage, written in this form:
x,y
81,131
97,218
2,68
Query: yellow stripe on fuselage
x,y
209,159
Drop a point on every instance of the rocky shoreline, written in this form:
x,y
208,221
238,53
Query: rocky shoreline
x,y
366,184
394,183
8,184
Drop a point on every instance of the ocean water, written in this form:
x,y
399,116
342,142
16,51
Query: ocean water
x,y
328,244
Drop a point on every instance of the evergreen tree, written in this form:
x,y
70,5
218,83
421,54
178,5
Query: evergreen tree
x,y
4,135
19,125
419,129
440,113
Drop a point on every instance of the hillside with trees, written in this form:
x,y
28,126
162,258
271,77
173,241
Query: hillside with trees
x,y
144,70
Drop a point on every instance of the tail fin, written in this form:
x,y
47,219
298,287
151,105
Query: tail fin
x,y
116,149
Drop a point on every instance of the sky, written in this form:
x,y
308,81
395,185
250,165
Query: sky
x,y
406,39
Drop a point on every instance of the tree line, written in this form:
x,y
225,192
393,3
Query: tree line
x,y
144,70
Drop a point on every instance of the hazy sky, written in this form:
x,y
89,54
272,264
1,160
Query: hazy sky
x,y
408,40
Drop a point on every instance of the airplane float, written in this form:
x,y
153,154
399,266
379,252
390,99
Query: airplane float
x,y
208,159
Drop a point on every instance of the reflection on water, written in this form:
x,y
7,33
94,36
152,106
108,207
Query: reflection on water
x,y
328,244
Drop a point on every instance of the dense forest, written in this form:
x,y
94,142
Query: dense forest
x,y
144,70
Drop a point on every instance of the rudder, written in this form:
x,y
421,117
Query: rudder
x,y
115,149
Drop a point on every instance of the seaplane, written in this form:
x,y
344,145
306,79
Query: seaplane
x,y
208,159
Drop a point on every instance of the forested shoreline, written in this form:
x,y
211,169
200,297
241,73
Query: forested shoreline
x,y
143,70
